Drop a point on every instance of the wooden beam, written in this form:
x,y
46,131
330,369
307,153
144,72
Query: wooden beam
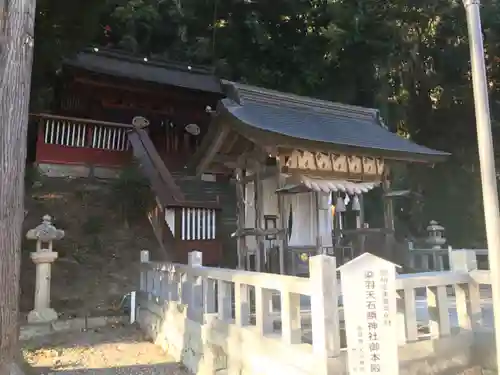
x,y
48,116
247,232
331,175
259,213
388,215
388,203
282,224
361,214
212,149
225,158
240,220
144,88
231,141
244,157
206,142
255,156
219,169
266,172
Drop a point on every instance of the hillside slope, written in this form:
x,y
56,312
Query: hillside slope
x,y
99,256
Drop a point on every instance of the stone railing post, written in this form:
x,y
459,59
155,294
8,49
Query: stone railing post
x,y
44,235
462,260
143,287
195,299
324,307
467,296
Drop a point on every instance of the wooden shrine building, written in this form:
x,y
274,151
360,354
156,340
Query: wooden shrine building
x,y
300,165
114,87
111,107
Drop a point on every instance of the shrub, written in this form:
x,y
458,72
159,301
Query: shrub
x,y
131,194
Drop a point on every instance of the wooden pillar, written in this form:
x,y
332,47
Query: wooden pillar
x,y
362,223
361,198
388,215
337,224
388,206
283,242
316,207
240,217
259,215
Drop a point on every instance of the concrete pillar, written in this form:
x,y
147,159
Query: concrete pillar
x,y
43,257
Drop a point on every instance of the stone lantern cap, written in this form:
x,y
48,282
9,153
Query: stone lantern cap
x,y
435,227
45,232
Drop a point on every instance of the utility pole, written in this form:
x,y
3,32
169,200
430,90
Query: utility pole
x,y
17,19
486,156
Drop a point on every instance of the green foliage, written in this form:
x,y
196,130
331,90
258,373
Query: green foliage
x,y
61,223
62,28
93,225
32,177
131,194
83,195
93,228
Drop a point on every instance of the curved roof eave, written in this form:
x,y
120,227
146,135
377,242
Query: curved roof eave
x,y
258,131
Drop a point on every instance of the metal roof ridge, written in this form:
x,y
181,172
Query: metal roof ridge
x,y
151,61
302,108
297,105
270,97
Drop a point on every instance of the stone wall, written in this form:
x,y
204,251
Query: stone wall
x,y
77,171
214,346
206,349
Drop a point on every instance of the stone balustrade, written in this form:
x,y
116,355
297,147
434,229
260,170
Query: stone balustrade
x,y
235,321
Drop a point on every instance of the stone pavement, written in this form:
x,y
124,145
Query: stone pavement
x,y
111,350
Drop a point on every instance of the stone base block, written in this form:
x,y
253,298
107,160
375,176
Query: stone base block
x,y
78,171
64,171
42,316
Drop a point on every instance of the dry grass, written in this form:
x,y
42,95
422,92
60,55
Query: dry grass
x,y
98,258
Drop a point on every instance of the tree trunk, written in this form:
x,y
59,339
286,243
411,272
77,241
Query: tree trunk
x,y
17,19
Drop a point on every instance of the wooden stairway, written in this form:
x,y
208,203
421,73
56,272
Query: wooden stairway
x,y
180,225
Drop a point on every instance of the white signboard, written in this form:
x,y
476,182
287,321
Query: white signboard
x,y
369,298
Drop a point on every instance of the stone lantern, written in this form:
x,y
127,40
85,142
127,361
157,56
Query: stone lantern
x,y
43,257
435,237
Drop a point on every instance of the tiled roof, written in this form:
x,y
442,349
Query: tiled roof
x,y
316,120
161,72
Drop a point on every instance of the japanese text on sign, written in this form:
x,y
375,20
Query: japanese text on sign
x,y
369,299
384,280
372,321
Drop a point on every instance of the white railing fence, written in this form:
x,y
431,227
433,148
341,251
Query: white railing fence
x,y
308,312
72,133
244,299
109,138
198,224
425,260
65,133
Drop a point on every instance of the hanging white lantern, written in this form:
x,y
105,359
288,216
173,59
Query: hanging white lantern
x,y
347,199
356,206
340,206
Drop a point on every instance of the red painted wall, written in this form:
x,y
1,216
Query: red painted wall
x,y
57,154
